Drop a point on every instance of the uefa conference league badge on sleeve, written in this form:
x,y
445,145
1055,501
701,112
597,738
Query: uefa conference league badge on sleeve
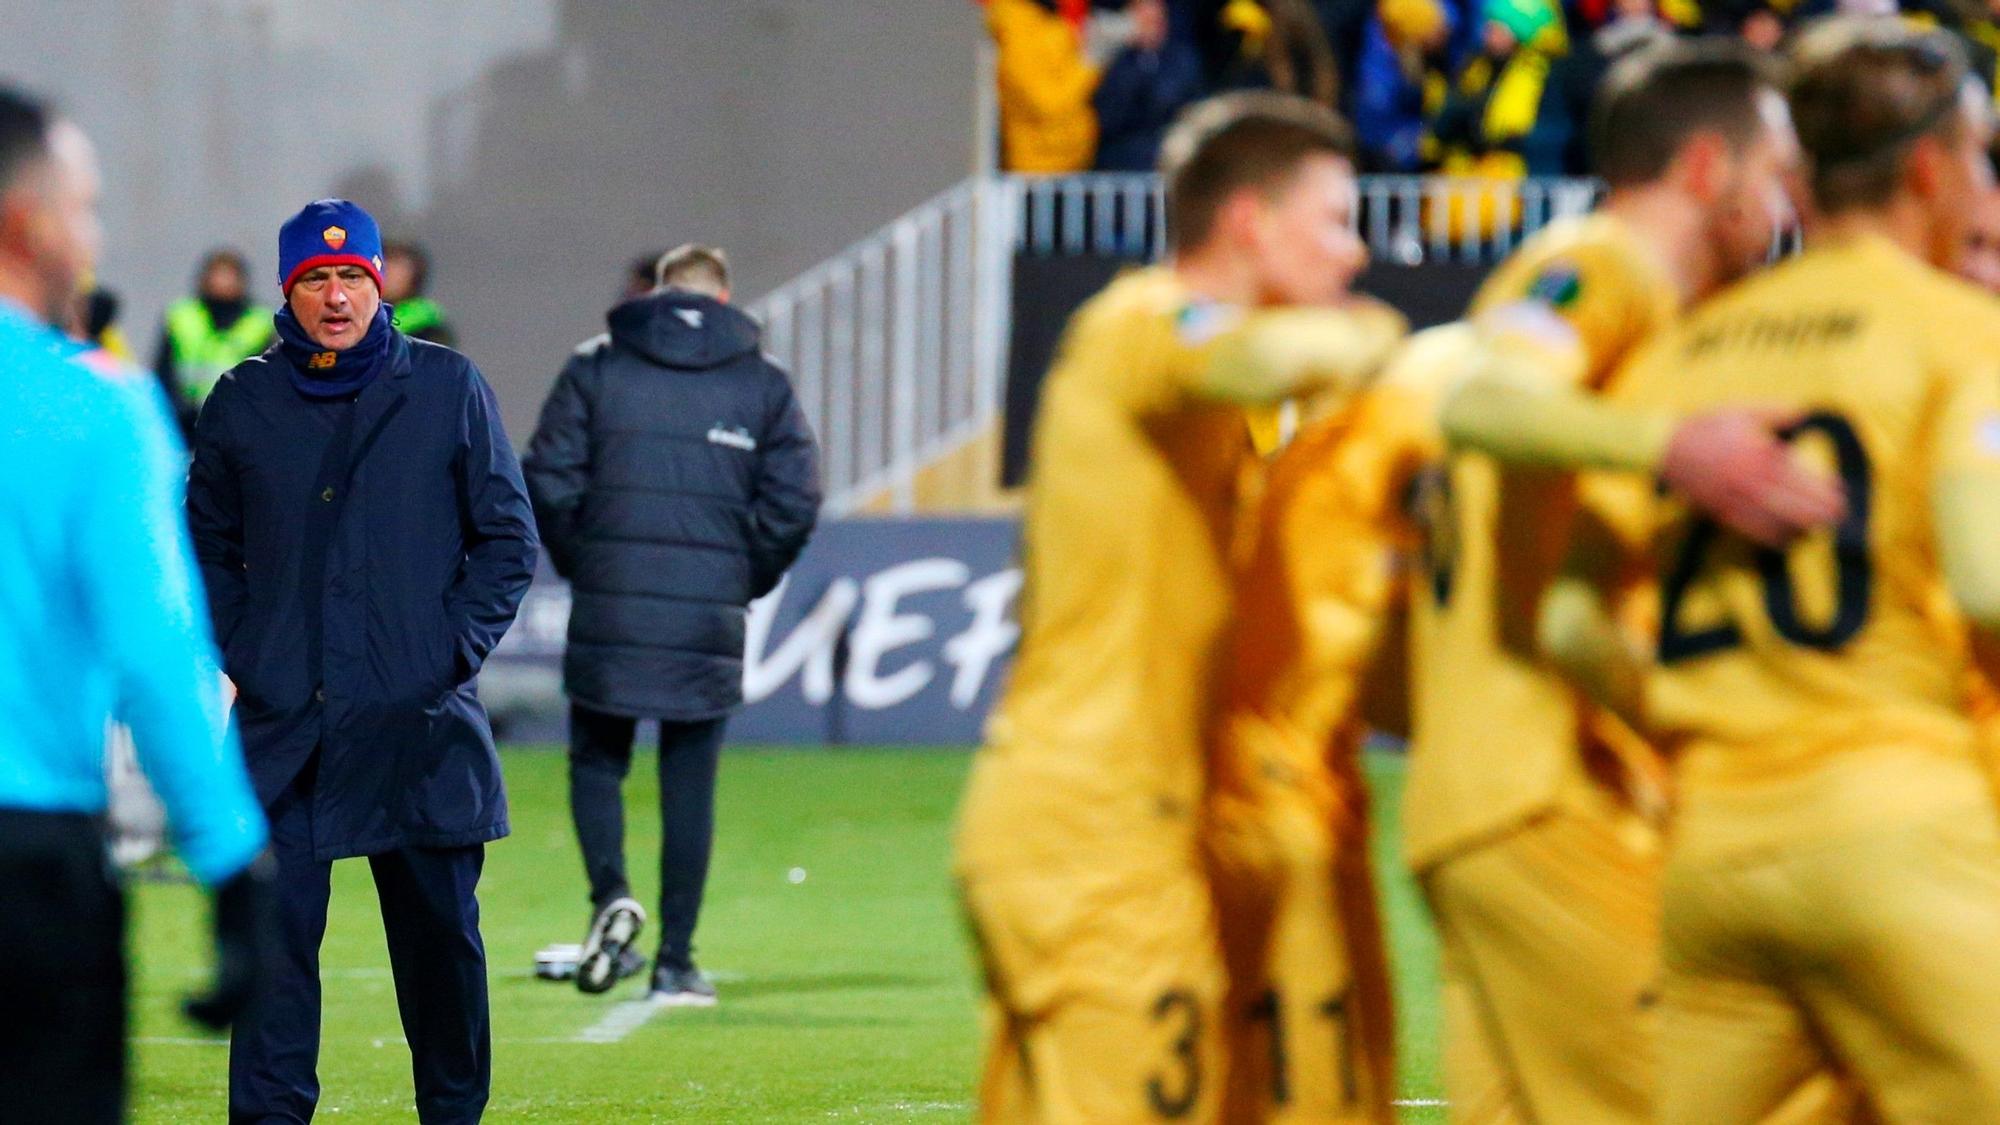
x,y
1558,286
1199,322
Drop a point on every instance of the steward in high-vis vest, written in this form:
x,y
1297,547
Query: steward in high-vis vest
x,y
406,273
209,333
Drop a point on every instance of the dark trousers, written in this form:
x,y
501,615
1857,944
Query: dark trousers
x,y
432,922
600,755
62,993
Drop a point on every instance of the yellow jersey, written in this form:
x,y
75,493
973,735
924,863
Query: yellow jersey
x,y
1496,735
1331,534
1131,518
1772,662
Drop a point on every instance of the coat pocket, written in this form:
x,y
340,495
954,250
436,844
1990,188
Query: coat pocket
x,y
439,653
239,663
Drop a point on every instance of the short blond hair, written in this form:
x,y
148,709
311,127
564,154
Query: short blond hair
x,y
697,268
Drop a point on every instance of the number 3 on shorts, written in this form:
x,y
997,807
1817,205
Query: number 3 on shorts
x,y
1174,1089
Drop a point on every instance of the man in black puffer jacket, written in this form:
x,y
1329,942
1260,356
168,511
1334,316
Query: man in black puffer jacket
x,y
675,479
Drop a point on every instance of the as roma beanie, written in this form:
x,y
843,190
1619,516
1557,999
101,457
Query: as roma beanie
x,y
328,232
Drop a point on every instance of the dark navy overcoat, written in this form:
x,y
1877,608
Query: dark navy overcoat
x,y
362,556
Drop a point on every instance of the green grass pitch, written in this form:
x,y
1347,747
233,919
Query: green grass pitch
x,y
847,996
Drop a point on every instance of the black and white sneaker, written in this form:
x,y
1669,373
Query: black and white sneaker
x,y
682,988
612,932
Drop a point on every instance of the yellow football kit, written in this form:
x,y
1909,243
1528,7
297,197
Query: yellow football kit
x,y
1833,887
1308,1024
1543,879
1077,850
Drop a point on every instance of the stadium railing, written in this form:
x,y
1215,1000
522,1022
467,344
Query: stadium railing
x,y
1406,220
897,344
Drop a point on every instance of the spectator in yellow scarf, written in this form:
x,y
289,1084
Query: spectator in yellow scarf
x,y
1496,98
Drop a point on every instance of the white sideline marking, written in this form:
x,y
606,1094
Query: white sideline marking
x,y
628,1016
624,1018
1424,1103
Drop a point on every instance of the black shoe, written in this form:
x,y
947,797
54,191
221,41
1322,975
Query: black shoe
x,y
612,932
682,988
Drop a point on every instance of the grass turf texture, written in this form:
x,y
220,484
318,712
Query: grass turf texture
x,y
848,996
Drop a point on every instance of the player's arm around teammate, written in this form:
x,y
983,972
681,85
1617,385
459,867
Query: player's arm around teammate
x,y
1531,401
1077,843
1534,831
1834,882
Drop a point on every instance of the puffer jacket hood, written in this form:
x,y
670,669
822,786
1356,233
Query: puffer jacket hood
x,y
676,328
675,479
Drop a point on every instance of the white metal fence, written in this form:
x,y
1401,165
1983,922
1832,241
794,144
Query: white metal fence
x,y
897,345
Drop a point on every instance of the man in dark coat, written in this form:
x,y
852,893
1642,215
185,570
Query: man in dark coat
x,y
675,480
365,538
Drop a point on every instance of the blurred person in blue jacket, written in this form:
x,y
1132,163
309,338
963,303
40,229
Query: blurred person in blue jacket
x,y
98,619
1408,49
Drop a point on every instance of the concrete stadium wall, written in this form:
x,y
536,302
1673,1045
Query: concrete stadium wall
x,y
533,145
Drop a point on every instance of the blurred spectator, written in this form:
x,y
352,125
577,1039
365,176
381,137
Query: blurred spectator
x,y
1143,90
1976,23
93,320
1345,24
1630,25
209,333
1495,104
639,275
100,323
406,273
1046,122
1473,88
1761,26
1408,50
1266,44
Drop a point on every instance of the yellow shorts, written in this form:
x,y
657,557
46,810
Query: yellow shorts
x,y
1875,944
1309,1031
1550,942
1104,995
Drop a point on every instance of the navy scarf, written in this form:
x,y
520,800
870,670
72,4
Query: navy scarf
x,y
319,373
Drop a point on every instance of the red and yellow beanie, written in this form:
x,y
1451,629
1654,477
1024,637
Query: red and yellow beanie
x,y
328,232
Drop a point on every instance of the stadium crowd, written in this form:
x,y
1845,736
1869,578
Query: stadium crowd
x,y
1496,88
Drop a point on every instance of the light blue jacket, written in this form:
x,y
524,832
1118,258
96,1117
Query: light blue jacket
x,y
101,613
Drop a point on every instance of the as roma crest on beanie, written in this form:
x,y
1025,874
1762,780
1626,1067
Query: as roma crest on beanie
x,y
328,232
